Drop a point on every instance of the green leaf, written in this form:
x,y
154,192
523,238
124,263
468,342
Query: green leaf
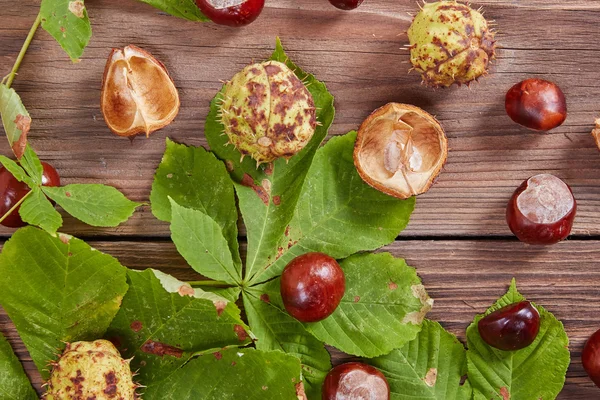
x,y
431,367
163,322
200,241
498,374
194,178
57,290
32,164
179,8
277,330
16,171
15,118
14,384
67,21
266,223
336,207
382,309
232,374
96,205
39,211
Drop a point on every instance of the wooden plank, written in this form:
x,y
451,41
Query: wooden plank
x,y
358,55
464,278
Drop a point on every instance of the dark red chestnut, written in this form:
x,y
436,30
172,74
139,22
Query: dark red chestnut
x,y
346,4
542,210
590,357
231,12
512,327
312,286
536,104
355,380
11,191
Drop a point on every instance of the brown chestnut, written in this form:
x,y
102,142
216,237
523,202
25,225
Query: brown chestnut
x,y
312,286
536,104
512,327
541,211
355,380
590,357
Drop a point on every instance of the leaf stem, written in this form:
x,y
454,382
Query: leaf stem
x,y
15,67
208,283
17,204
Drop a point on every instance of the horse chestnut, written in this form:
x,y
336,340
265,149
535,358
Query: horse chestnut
x,y
312,286
346,4
355,380
11,191
231,12
542,210
590,357
536,104
512,327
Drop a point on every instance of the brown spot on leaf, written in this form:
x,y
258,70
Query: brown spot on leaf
x,y
68,194
356,299
287,230
161,349
220,306
504,393
269,169
229,165
277,200
240,332
430,377
300,394
186,290
265,297
279,252
23,123
64,238
260,190
77,8
392,285
218,355
265,387
136,326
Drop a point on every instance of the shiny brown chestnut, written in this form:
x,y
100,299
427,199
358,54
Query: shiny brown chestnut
x,y
512,327
355,380
541,211
590,357
231,12
536,104
346,4
312,286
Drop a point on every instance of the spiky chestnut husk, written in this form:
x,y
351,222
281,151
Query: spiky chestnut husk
x,y
450,43
91,370
267,112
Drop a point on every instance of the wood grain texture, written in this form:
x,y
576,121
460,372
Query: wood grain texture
x,y
464,277
358,55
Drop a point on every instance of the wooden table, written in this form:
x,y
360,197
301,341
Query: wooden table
x,y
457,238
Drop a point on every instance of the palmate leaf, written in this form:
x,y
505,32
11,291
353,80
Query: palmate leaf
x,y
32,164
266,218
14,384
277,330
337,213
37,210
163,322
380,311
57,290
94,204
535,372
179,8
17,171
194,178
232,374
15,118
67,21
430,367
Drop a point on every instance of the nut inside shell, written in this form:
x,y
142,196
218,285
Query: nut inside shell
x,y
138,95
400,150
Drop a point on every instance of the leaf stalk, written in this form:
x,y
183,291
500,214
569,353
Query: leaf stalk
x,y
17,204
21,55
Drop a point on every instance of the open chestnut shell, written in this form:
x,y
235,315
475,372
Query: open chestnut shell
x,y
400,150
596,133
138,95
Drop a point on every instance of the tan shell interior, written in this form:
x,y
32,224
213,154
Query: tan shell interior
x,y
138,95
596,133
400,150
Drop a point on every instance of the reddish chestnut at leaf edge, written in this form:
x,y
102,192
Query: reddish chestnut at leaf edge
x,y
590,357
312,286
355,380
231,12
346,4
11,191
512,327
541,211
536,104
